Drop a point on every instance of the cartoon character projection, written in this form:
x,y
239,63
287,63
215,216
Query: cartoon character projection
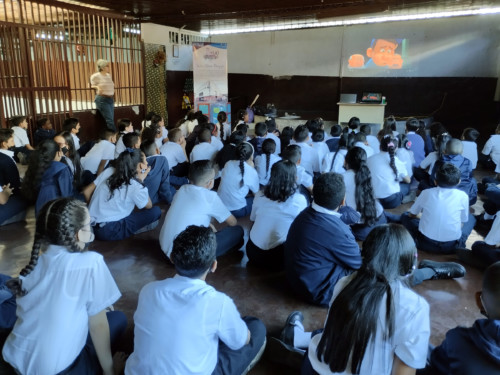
x,y
382,53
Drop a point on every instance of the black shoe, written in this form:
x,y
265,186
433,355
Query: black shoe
x,y
287,332
443,270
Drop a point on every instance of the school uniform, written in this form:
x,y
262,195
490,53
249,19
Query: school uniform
x,y
174,153
369,151
440,226
103,150
158,180
185,326
492,148
385,183
309,159
202,151
159,142
232,194
429,161
257,145
407,157
113,217
417,146
470,152
484,253
272,220
9,174
20,137
261,164
196,205
319,250
334,162
56,182
277,140
227,132
322,150
76,141
374,143
217,143
13,211
43,134
120,147
332,143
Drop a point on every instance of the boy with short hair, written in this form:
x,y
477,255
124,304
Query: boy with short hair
x,y
443,209
197,204
469,138
373,142
23,148
318,143
273,133
175,152
103,151
185,326
333,142
417,142
309,158
203,150
360,141
72,125
44,131
260,136
158,179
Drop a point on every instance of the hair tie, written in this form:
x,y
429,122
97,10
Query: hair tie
x,y
390,144
387,135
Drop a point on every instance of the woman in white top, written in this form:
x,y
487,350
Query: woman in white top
x,y
273,211
105,91
266,160
239,177
62,295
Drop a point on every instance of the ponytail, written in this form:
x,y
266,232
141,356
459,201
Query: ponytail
x,y
388,144
268,148
244,152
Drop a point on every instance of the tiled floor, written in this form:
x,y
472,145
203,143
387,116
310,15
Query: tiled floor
x,y
139,260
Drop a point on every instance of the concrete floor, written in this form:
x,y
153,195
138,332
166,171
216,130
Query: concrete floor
x,y
261,293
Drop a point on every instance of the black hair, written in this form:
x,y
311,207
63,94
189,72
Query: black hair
x,y
106,134
390,144
70,123
149,116
313,125
58,223
286,136
41,122
193,251
441,142
344,143
39,162
436,129
131,139
244,152
359,137
221,119
364,194
260,129
74,156
268,148
389,253
412,124
200,171
205,135
149,133
292,153
390,123
242,128
318,135
470,134
149,147
228,152
421,130
123,123
155,119
125,170
447,175
403,141
283,181
336,130
16,120
5,134
236,137
301,133
353,123
329,190
173,134
271,125
240,115
366,129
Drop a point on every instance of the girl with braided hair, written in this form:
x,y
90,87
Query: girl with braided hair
x,y
266,160
62,295
238,178
387,172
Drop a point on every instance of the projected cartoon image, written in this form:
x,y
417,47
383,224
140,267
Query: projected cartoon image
x,y
381,54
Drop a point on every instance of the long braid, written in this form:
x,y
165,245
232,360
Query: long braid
x,y
392,162
268,161
242,169
244,151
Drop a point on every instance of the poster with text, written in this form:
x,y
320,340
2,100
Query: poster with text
x,y
210,72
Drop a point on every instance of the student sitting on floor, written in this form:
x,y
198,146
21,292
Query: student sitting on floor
x,y
71,158
273,133
320,248
490,156
22,146
266,160
334,161
158,179
204,149
473,350
260,136
444,208
469,139
184,326
360,141
44,131
125,126
228,152
333,142
72,125
373,142
417,145
116,193
304,179
405,154
12,208
426,167
175,151
46,177
273,211
99,156
318,137
215,139
238,179
9,174
197,204
310,158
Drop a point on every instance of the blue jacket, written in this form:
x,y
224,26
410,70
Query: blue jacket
x,y
57,182
468,183
468,351
257,145
319,250
9,174
417,146
333,144
42,135
158,180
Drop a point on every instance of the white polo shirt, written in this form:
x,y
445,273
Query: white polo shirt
x,y
202,151
120,147
192,205
272,219
260,167
103,150
493,237
429,161
322,150
350,192
338,164
217,143
76,141
407,157
9,153
383,178
411,334
230,192
303,178
470,152
174,153
64,290
374,143
369,151
277,140
20,136
443,212
178,324
492,148
310,158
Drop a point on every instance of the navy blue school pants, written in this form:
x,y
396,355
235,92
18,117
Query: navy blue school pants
x,y
229,238
13,211
481,255
245,211
394,200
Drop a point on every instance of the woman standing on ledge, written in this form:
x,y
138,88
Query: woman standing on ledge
x,y
105,90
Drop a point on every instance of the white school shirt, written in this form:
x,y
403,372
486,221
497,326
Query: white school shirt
x,y
407,157
192,205
470,152
9,153
443,212
374,143
104,82
493,237
409,342
277,140
202,151
64,290
338,164
190,125
310,158
174,153
120,147
217,143
227,131
429,161
159,142
492,148
272,219
304,178
76,141
178,324
103,150
322,150
383,179
20,136
230,192
350,192
260,166
368,149
104,209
